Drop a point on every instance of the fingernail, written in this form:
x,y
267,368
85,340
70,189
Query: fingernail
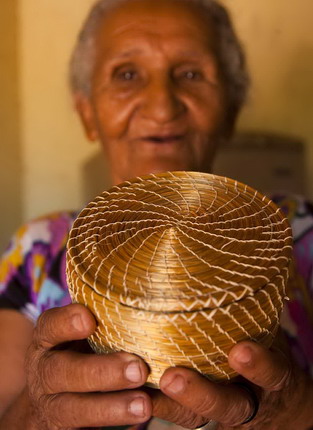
x,y
244,355
137,407
133,371
177,385
77,322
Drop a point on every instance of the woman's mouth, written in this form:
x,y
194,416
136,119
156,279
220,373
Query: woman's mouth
x,y
166,139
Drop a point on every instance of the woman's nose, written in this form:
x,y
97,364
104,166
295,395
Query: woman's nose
x,y
161,102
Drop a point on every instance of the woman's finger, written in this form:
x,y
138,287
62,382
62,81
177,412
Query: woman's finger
x,y
73,410
227,404
270,370
64,324
167,409
70,371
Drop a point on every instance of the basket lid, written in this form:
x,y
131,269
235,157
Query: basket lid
x,y
178,241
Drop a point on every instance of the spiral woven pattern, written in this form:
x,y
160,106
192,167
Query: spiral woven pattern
x,y
178,267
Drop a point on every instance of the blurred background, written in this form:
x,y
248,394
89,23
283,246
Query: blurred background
x,y
47,164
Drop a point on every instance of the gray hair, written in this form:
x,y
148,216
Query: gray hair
x,y
228,52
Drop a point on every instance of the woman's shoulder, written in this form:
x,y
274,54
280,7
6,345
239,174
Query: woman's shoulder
x,y
51,229
50,223
32,269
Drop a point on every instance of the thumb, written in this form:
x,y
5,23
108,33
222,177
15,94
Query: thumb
x,y
64,324
270,370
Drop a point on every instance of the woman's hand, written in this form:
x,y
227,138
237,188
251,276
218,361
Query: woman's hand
x,y
70,389
285,394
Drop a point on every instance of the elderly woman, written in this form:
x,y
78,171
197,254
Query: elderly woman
x,y
159,84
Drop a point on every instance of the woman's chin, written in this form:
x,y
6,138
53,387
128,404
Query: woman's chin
x,y
166,166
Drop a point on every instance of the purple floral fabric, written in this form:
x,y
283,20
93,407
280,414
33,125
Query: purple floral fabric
x,y
297,318
32,270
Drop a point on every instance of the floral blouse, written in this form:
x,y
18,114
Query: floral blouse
x,y
32,272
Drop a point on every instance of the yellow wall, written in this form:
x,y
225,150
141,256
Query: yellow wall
x,y
53,145
278,38
11,164
276,34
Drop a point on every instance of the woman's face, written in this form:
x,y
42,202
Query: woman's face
x,y
156,102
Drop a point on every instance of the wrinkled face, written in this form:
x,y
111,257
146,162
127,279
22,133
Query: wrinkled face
x,y
156,102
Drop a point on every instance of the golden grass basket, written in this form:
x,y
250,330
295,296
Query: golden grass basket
x,y
178,267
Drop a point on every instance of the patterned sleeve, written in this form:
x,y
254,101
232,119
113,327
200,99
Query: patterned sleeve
x,y
32,270
297,318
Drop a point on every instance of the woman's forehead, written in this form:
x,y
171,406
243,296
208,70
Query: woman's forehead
x,y
175,19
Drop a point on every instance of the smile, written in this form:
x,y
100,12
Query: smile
x,y
163,139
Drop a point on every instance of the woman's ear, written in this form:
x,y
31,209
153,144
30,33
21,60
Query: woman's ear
x,y
84,109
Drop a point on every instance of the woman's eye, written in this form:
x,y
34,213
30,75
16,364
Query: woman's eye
x,y
188,75
191,75
125,75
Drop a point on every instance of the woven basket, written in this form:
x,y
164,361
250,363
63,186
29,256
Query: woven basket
x,y
178,267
